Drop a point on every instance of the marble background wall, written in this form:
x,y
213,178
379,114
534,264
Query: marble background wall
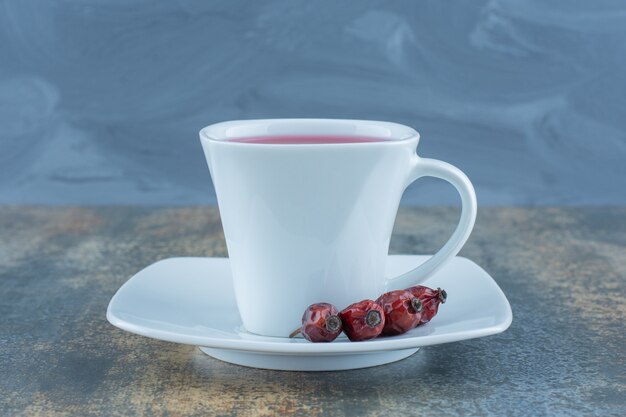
x,y
101,101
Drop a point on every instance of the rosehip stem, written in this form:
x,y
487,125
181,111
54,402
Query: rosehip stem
x,y
443,295
333,323
373,318
416,304
295,333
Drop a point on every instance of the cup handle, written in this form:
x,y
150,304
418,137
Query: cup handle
x,y
424,167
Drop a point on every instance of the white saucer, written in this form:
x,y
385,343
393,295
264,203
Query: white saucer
x,y
191,301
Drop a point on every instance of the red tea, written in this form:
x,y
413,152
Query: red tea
x,y
306,139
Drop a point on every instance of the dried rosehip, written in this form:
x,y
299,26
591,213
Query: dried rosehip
x,y
320,323
402,311
363,320
430,301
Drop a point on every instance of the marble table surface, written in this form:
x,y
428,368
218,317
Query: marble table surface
x,y
563,270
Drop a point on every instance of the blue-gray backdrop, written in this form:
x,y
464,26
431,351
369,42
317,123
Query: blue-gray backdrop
x,y
101,101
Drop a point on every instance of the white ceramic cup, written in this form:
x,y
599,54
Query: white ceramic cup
x,y
307,223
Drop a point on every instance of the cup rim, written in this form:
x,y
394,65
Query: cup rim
x,y
395,133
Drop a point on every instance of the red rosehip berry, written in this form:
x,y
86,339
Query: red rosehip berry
x,y
430,301
320,323
363,320
402,311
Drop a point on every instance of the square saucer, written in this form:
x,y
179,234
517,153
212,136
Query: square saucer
x,y
191,301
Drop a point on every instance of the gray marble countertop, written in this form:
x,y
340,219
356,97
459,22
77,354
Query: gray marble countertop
x,y
563,271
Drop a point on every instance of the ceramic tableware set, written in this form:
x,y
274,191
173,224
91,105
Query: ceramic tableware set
x,y
308,207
